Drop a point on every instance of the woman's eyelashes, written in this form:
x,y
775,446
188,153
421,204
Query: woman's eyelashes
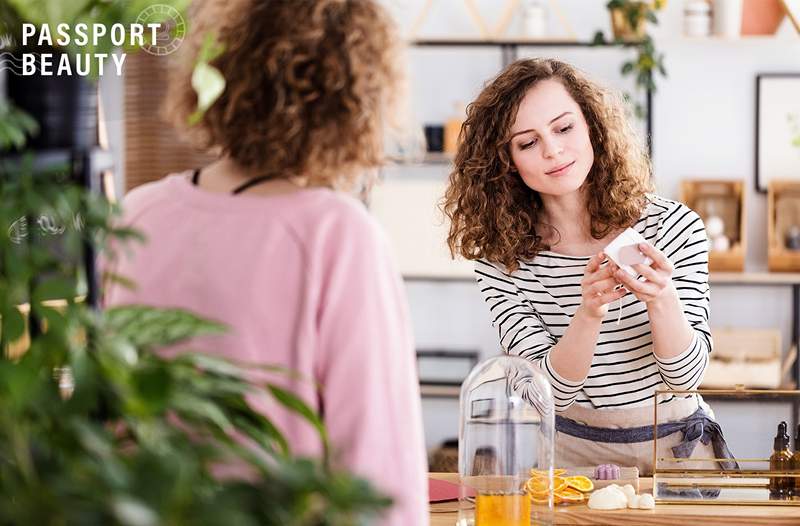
x,y
562,130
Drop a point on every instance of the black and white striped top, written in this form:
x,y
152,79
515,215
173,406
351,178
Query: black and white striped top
x,y
532,307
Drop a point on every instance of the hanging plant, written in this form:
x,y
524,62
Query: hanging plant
x,y
629,20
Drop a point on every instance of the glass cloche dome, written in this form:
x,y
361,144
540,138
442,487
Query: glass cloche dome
x,y
506,436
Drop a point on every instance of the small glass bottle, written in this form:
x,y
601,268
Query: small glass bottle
x,y
452,128
780,460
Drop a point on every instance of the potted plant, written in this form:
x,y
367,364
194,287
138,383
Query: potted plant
x,y
629,17
629,20
97,428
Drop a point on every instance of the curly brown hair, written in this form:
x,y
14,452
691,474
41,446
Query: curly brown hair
x,y
308,86
493,214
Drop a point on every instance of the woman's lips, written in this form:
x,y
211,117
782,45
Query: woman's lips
x,y
561,170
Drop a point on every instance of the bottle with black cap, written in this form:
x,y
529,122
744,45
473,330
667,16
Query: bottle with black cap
x,y
781,460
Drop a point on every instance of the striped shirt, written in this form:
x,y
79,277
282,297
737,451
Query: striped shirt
x,y
533,306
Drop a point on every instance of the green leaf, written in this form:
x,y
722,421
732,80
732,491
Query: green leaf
x,y
153,385
209,84
153,327
55,288
191,406
297,405
13,324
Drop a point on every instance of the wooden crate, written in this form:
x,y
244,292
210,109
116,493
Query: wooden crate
x,y
783,211
725,199
748,357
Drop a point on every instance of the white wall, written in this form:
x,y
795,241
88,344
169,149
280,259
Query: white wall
x,y
704,127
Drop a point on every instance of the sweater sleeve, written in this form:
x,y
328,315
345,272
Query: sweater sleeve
x,y
521,330
367,367
685,244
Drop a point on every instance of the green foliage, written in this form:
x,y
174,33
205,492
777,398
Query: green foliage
x,y
648,61
97,428
15,126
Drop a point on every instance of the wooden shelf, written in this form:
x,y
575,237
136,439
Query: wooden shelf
x,y
430,158
439,391
777,398
490,42
452,391
755,278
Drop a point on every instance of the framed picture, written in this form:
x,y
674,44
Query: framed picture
x,y
777,128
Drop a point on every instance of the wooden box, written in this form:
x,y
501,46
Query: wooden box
x,y
725,200
783,209
744,357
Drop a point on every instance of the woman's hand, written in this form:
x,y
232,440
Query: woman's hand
x,y
597,287
658,276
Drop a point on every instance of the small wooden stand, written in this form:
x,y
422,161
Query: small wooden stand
x,y
724,199
783,209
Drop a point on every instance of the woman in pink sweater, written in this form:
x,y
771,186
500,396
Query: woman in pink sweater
x,y
270,241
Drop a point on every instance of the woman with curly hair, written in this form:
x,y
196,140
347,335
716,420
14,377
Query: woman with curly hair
x,y
270,240
548,172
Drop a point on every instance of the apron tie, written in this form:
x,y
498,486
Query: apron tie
x,y
697,427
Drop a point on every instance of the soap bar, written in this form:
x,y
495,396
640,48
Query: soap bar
x,y
607,472
624,251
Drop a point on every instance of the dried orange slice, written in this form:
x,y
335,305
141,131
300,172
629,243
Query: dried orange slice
x,y
539,499
537,486
559,483
568,495
543,472
580,483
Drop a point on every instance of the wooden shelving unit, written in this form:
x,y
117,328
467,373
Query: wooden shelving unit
x,y
509,48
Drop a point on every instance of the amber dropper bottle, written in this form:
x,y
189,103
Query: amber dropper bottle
x,y
781,460
796,464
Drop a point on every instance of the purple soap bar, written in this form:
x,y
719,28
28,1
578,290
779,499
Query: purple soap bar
x,y
606,472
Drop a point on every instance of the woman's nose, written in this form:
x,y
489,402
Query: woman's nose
x,y
551,148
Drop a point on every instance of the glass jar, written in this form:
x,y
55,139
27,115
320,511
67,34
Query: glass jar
x,y
506,434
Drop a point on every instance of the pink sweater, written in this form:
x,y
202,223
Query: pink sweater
x,y
305,281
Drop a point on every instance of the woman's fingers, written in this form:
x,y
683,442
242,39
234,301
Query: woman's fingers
x,y
594,263
601,286
639,288
650,274
658,257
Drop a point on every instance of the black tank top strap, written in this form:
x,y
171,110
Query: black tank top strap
x,y
252,182
239,189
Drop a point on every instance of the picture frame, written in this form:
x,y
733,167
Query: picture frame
x,y
777,152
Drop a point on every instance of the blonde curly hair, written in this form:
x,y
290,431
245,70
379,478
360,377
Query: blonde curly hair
x,y
309,86
493,214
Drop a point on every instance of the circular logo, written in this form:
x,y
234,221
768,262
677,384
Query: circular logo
x,y
171,30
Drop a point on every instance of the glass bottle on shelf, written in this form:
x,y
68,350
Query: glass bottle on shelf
x,y
506,436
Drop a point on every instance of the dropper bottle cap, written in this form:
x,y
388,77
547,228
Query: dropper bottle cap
x,y
782,438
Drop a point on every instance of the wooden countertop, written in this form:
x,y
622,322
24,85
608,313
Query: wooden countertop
x,y
662,515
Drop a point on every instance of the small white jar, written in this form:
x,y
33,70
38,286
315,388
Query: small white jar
x,y
697,18
534,19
